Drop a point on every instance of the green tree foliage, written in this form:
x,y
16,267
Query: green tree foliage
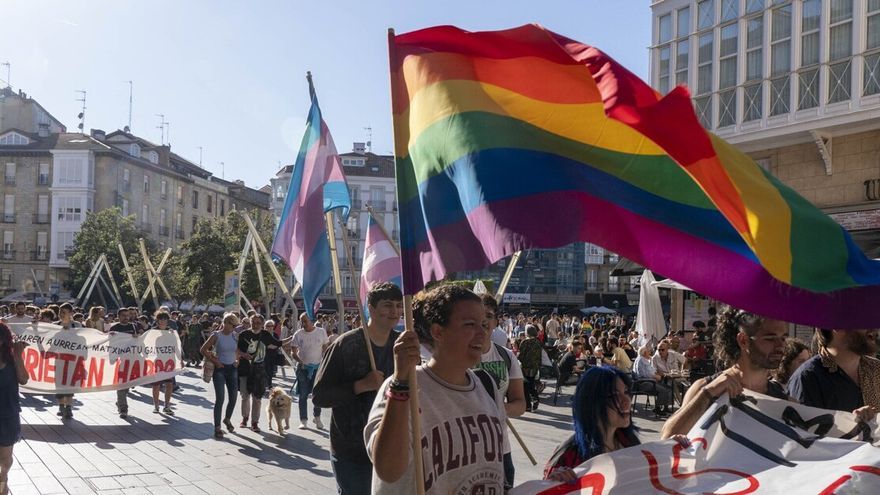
x,y
101,233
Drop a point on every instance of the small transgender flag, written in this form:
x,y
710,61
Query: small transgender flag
x,y
381,262
316,187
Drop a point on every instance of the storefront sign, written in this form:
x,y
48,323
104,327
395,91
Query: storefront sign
x,y
858,220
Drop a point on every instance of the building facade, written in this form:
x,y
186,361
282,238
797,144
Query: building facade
x,y
370,179
796,84
52,179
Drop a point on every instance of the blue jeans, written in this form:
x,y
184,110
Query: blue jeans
x,y
227,377
304,385
352,478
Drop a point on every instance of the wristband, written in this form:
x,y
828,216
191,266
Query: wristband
x,y
396,395
399,386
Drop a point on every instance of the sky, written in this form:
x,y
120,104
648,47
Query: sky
x,y
229,76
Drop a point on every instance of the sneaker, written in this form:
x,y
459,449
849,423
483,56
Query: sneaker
x,y
155,409
168,411
60,412
123,414
68,412
318,424
255,427
302,425
243,423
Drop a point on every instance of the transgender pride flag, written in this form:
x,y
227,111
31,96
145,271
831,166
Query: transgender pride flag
x,y
381,261
316,187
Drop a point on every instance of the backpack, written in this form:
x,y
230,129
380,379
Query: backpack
x,y
487,381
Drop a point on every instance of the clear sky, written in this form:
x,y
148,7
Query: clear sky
x,y
229,76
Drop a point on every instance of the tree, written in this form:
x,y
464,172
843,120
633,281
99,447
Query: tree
x,y
206,256
101,233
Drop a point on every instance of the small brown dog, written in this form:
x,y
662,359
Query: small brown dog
x,y
279,408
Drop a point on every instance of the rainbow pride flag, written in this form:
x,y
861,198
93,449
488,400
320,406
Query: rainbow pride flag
x,y
522,138
316,187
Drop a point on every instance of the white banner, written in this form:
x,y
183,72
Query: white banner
x,y
752,445
513,298
81,360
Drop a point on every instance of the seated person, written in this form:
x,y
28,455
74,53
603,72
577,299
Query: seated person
x,y
665,361
644,371
568,363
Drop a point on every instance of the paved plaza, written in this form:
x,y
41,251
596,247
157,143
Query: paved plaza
x,y
147,453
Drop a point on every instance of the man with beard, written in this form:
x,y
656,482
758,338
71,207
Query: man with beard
x,y
20,316
843,375
750,346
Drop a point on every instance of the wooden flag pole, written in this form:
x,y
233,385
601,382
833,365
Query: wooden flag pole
x,y
357,294
415,417
337,278
262,247
134,290
112,281
259,266
507,274
390,240
499,295
150,279
86,283
156,271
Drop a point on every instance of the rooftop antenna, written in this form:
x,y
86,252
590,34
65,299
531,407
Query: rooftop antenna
x,y
161,126
223,170
168,132
369,130
130,100
8,74
82,114
200,156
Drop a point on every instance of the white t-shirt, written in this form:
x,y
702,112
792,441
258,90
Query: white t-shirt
x,y
310,345
665,366
493,363
462,439
553,329
19,319
499,336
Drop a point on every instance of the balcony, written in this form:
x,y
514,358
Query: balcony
x,y
43,180
7,255
7,218
10,180
163,230
40,255
40,218
178,233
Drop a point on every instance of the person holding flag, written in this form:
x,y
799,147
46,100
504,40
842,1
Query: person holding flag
x,y
347,381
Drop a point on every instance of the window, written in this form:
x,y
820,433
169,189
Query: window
x,y
163,189
592,279
729,10
42,245
871,76
70,171
126,180
665,28
682,55
840,51
195,199
9,208
163,214
8,245
154,157
595,254
663,82
69,208
14,139
146,184
753,6
613,283
40,274
727,76
195,221
145,214
753,91
9,177
210,204
134,150
222,206
684,22
705,14
704,61
42,209
43,177
180,194
124,207
65,242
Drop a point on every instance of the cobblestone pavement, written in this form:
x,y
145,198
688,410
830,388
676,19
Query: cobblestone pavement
x,y
147,453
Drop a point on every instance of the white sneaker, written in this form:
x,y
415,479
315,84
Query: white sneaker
x,y
318,424
302,425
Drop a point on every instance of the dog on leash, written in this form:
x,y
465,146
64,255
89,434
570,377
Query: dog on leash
x,y
279,408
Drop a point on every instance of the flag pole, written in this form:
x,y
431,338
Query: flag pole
x,y
415,419
337,278
514,260
357,294
390,240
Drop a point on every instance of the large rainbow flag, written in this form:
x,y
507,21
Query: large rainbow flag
x,y
519,139
317,186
